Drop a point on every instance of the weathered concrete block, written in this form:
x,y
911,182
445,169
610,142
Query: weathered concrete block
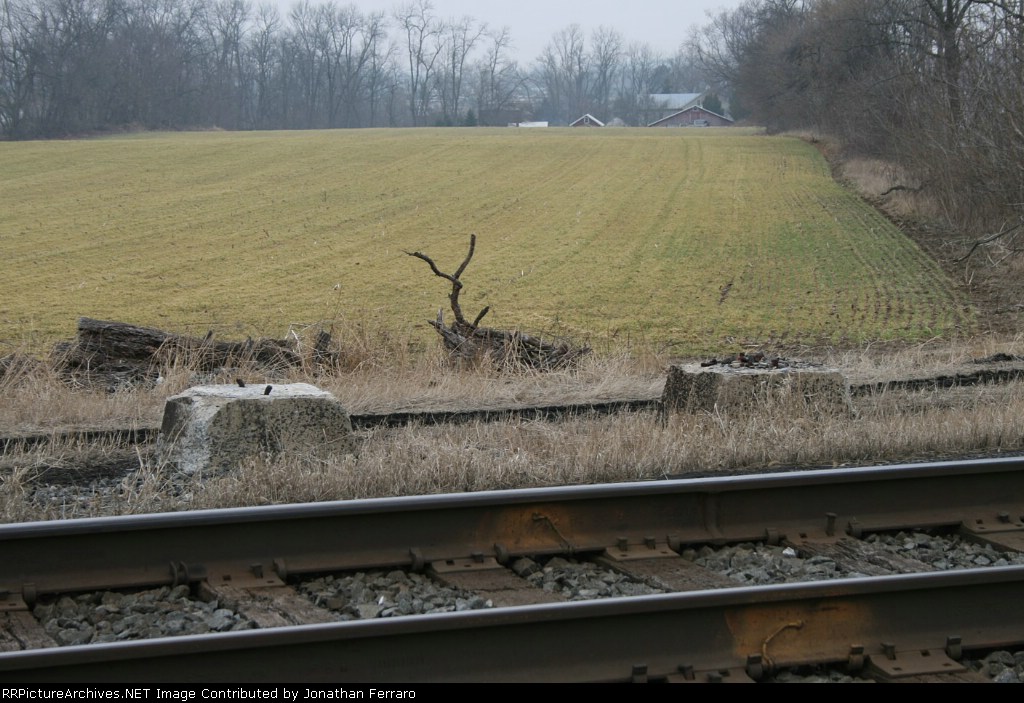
x,y
692,388
216,427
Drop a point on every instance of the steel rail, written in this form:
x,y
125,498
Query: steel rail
x,y
128,436
130,551
742,632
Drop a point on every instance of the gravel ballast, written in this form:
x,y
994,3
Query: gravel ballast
x,y
109,616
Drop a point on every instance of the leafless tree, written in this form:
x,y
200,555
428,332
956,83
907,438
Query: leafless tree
x,y
511,350
228,23
499,81
17,69
637,82
461,36
383,83
309,46
605,60
423,44
352,43
264,56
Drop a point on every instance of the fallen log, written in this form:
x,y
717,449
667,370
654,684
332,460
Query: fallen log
x,y
100,342
118,353
507,349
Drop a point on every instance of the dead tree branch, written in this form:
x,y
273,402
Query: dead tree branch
x,y
989,239
476,322
469,341
897,188
456,283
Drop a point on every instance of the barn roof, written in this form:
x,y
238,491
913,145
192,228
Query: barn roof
x,y
587,119
679,112
676,101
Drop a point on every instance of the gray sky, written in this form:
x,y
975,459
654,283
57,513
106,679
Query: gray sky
x,y
663,24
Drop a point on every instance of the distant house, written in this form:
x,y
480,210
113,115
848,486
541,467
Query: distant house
x,y
587,120
695,116
661,105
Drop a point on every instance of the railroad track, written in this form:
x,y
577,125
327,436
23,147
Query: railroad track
x,y
129,436
884,627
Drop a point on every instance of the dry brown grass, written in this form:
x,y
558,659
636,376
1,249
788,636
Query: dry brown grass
x,y
388,379
630,447
897,192
37,400
892,426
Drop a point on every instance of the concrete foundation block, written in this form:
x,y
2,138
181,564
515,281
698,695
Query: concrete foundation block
x,y
815,390
211,428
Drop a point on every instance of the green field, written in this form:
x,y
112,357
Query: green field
x,y
698,238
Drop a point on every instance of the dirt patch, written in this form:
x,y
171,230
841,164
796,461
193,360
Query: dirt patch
x,y
76,468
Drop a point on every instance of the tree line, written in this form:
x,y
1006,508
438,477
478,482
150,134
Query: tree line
x,y
934,87
79,66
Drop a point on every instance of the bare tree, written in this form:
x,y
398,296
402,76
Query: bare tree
x,y
565,73
309,38
605,60
423,44
360,63
17,69
461,36
265,56
227,83
383,83
499,80
351,40
637,83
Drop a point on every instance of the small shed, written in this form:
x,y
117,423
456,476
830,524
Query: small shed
x,y
587,120
696,116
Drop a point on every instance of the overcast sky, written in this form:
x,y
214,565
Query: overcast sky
x,y
663,24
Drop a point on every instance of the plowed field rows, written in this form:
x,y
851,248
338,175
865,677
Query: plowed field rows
x,y
692,237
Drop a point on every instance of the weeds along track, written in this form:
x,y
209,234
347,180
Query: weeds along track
x,y
302,578
141,435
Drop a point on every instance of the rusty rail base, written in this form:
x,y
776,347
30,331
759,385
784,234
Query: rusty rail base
x,y
171,548
736,634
